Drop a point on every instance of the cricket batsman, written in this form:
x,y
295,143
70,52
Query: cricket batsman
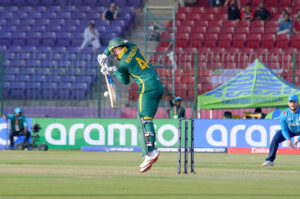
x,y
131,62
290,127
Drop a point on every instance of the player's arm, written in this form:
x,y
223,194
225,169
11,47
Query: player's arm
x,y
122,76
25,124
284,129
7,116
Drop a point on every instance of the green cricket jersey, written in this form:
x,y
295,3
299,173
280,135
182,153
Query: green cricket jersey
x,y
133,63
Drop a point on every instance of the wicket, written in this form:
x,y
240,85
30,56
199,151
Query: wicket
x,y
186,146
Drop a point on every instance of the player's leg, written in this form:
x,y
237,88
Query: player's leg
x,y
11,138
277,139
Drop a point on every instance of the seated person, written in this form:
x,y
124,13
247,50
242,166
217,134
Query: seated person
x,y
111,13
285,27
261,13
296,25
247,15
90,37
233,10
177,111
19,126
281,19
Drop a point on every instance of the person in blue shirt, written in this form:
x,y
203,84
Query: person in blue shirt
x,y
18,126
285,27
290,127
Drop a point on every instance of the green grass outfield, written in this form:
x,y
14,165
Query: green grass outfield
x,y
75,174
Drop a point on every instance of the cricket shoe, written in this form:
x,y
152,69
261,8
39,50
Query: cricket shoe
x,y
149,160
268,164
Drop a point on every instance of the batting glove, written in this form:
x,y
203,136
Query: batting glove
x,y
102,60
108,70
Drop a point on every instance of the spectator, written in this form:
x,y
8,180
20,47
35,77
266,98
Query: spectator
x,y
215,3
296,25
283,13
247,15
177,111
233,10
262,13
111,13
90,36
227,115
259,111
18,126
285,27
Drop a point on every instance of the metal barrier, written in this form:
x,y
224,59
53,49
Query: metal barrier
x,y
69,84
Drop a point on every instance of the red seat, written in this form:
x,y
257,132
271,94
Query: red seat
x,y
296,41
257,23
243,24
255,3
283,41
269,41
183,10
190,23
258,30
272,10
238,40
202,23
225,40
271,2
199,29
210,40
198,10
182,40
297,3
285,3
271,30
211,10
254,40
184,29
215,23
220,17
272,23
193,16
229,23
197,40
244,2
208,17
212,30
227,30
241,30
180,16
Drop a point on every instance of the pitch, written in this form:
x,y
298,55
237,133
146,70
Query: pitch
x,y
75,174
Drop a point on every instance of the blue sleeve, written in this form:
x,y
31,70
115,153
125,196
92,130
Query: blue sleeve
x,y
9,116
25,122
284,126
280,27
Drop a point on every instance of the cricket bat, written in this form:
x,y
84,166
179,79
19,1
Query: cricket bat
x,y
112,91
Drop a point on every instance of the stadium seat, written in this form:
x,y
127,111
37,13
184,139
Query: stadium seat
x,y
296,41
241,30
269,41
238,40
184,29
199,29
221,17
18,38
212,30
286,3
229,23
17,90
243,24
198,10
208,17
283,41
193,16
33,90
210,40
271,3
225,40
197,40
297,3
257,23
257,30
271,30
227,30
180,16
254,41
182,40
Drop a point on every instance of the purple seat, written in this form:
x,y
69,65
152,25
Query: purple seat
x,y
128,9
26,8
42,71
23,78
135,3
49,15
115,29
7,63
79,91
33,90
64,90
19,63
74,71
24,28
85,79
29,22
33,64
44,49
105,3
103,23
37,78
73,22
121,3
53,78
120,23
78,15
63,39
38,29
23,56
6,86
48,90
33,38
14,48
33,2
29,71
63,15
69,28
69,78
90,2
74,49
30,49
101,29
19,2
53,28
21,15
57,71
9,78
18,38
6,2
2,22
42,22
7,15
69,8
48,39
5,38
76,2
14,22
8,55
10,29
48,3
17,90
106,37
58,22
85,9
59,49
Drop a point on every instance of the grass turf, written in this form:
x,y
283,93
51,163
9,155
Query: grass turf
x,y
75,174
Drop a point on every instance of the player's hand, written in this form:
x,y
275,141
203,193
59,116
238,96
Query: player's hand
x,y
296,143
102,60
107,70
290,144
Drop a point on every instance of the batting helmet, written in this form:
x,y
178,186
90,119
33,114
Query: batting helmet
x,y
115,42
